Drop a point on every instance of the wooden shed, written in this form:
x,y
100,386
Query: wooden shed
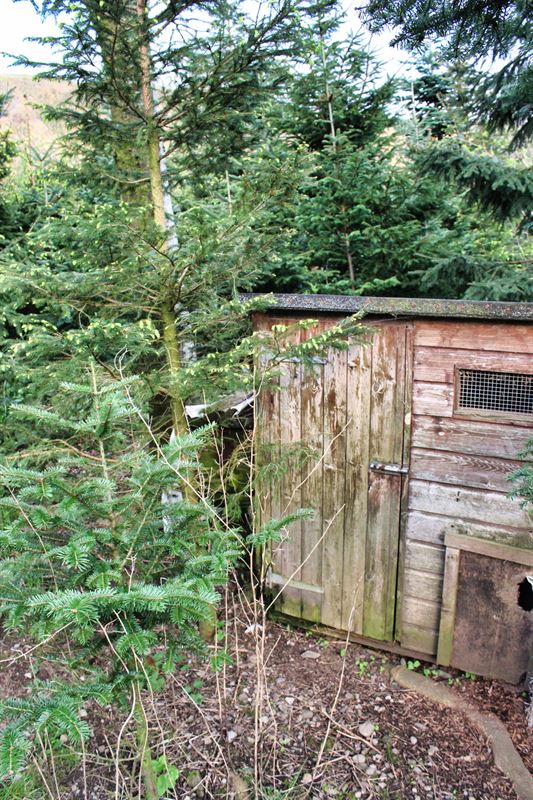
x,y
415,545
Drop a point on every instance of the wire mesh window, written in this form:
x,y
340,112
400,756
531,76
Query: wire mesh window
x,y
504,392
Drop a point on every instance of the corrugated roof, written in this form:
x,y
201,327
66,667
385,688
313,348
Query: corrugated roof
x,y
399,306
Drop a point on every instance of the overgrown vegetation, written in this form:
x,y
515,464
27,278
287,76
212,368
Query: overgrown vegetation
x,y
210,151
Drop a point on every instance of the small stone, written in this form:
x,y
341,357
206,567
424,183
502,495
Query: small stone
x,y
306,714
307,778
413,740
432,750
372,769
82,713
28,675
360,758
231,736
289,701
366,729
254,628
310,654
63,738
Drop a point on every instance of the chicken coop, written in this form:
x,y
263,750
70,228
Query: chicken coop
x,y
415,545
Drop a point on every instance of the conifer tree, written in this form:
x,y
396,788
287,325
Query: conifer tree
x,y
91,551
477,33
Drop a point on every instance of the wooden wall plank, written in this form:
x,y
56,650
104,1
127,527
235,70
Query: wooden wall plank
x,y
433,399
462,469
433,528
470,436
424,640
334,467
359,373
437,364
422,612
424,585
511,338
424,556
469,504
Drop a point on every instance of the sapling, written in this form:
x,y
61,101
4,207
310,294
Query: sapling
x,y
91,555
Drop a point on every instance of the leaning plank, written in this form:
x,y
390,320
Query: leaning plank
x,y
449,600
468,504
484,472
475,336
469,436
384,493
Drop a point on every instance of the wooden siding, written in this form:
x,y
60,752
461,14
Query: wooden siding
x,y
459,465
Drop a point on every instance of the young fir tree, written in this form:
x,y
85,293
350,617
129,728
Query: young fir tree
x,y
92,552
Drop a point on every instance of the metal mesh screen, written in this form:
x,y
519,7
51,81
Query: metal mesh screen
x,y
508,392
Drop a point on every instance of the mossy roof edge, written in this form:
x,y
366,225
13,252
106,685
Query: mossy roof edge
x,y
398,306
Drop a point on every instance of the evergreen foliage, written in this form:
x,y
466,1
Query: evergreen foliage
x,y
93,550
472,31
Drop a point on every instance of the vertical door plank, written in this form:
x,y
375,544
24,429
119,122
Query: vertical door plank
x,y
289,554
386,445
381,555
334,483
388,389
312,411
406,462
267,498
358,380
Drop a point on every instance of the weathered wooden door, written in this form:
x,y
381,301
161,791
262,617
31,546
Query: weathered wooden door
x,y
340,568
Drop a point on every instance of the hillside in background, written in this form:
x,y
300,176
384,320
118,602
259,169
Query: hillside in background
x,y
23,119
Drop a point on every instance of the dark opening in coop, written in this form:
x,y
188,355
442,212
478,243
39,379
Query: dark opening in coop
x,y
525,594
508,392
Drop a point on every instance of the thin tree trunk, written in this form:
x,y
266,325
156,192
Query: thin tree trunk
x,y
170,336
142,735
168,317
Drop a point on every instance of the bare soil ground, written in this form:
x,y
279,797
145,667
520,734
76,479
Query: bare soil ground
x,y
293,716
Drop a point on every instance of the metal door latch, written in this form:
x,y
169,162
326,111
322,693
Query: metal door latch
x,y
388,469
